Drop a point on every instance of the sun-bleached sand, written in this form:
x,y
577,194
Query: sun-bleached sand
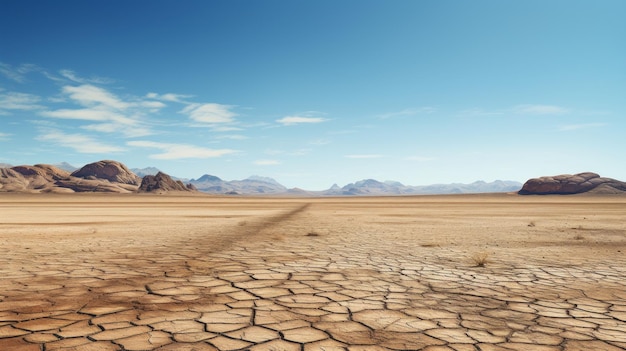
x,y
147,272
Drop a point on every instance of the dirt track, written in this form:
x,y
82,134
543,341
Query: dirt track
x,y
110,272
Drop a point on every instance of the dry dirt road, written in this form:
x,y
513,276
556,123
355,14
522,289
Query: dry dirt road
x,y
129,272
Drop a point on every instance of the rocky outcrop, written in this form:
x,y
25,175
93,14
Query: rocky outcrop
x,y
162,182
566,184
103,176
112,171
37,178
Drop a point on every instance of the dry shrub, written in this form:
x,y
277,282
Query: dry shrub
x,y
480,259
312,234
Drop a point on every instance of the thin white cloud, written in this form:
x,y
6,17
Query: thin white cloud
x,y
210,113
100,105
180,151
79,142
18,73
540,109
153,105
89,114
128,131
266,162
408,112
19,101
581,126
71,75
366,156
291,120
90,95
219,128
4,136
169,97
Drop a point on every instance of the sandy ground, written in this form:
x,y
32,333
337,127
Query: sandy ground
x,y
130,272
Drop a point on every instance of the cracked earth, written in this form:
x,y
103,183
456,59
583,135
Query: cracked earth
x,y
491,273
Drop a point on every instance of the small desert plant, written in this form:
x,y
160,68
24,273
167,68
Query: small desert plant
x,y
531,224
312,234
429,245
480,259
579,237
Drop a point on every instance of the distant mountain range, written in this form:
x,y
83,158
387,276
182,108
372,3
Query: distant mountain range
x,y
264,185
374,187
257,185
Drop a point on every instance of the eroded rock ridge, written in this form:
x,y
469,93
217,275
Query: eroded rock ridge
x,y
566,184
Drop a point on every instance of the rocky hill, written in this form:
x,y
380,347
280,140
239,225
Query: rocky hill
x,y
162,182
112,171
102,176
567,184
142,172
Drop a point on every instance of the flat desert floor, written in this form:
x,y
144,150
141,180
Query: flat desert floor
x,y
471,272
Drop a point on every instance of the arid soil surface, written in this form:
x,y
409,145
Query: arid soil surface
x,y
148,272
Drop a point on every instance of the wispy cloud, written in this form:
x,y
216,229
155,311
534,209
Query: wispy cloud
x,y
180,98
180,151
366,156
19,101
218,128
291,120
4,136
210,113
266,162
91,95
408,112
131,131
71,75
18,73
79,142
100,105
89,114
581,126
540,109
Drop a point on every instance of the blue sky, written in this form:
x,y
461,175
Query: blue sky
x,y
313,93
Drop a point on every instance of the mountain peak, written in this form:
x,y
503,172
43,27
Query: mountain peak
x,y
208,178
257,178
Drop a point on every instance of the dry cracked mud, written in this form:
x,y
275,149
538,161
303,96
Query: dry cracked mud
x,y
110,272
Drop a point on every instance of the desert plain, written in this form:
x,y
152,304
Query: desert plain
x,y
191,272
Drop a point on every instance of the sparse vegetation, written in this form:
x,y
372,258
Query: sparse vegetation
x,y
579,237
312,234
531,224
429,245
480,259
